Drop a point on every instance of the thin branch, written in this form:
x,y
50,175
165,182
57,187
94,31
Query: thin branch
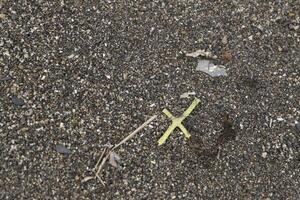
x,y
135,131
101,157
108,150
103,162
100,179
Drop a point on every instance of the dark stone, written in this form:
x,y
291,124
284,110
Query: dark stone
x,y
297,127
5,78
17,101
62,149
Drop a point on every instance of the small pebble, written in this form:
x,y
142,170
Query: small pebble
x,y
61,125
280,119
17,101
62,149
153,162
2,16
224,40
264,154
5,78
297,125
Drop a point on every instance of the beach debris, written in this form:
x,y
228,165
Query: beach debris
x,y
208,152
177,122
114,159
109,153
201,53
208,67
187,95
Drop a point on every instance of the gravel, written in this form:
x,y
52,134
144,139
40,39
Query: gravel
x,y
89,72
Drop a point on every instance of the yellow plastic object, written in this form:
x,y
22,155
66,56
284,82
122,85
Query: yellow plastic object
x,y
177,122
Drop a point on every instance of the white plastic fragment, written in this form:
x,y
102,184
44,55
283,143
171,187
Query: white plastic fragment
x,y
114,159
202,53
211,69
187,95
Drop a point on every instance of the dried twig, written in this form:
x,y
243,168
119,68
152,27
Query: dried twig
x,y
100,179
101,157
103,162
135,132
108,150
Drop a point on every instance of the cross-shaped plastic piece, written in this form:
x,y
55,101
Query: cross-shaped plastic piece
x,y
177,122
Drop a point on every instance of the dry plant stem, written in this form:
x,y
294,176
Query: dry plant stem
x,y
135,131
103,162
101,157
100,179
100,167
107,151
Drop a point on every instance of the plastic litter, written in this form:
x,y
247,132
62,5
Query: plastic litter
x,y
211,69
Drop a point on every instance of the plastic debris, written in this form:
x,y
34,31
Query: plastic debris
x,y
201,53
62,149
176,122
187,95
108,152
211,69
17,101
114,159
